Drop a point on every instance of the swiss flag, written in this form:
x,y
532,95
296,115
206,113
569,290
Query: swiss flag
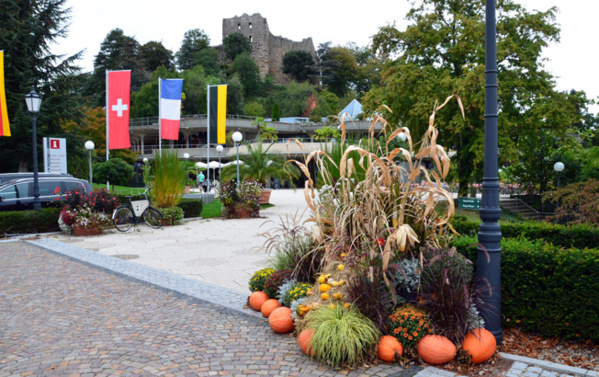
x,y
118,106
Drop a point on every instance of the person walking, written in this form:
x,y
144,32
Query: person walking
x,y
201,179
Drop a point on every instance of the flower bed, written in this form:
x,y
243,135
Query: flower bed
x,y
86,214
383,278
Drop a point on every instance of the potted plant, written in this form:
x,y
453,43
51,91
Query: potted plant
x,y
242,203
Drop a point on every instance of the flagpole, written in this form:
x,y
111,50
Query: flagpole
x,y
107,128
208,145
159,116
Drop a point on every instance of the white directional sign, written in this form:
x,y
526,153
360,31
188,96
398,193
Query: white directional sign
x,y
55,155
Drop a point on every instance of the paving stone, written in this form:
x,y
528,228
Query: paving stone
x,y
63,317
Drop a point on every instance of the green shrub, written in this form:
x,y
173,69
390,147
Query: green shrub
x,y
22,222
115,170
342,336
578,236
545,288
173,213
191,207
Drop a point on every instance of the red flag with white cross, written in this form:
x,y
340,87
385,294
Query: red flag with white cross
x,y
118,88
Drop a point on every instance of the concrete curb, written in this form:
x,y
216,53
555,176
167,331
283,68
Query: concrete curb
x,y
561,368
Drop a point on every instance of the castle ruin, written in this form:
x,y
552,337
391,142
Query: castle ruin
x,y
267,49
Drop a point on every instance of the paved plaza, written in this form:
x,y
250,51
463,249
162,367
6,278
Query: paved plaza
x,y
167,302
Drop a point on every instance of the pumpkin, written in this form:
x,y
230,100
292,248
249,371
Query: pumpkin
x,y
480,344
257,299
304,341
387,347
280,320
436,349
325,296
324,288
269,306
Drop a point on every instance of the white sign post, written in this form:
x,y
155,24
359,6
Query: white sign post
x,y
55,155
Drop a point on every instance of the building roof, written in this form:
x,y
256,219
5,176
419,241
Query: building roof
x,y
351,111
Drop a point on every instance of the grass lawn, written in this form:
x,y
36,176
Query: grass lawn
x,y
122,190
211,210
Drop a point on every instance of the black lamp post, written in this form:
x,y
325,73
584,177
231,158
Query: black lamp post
x,y
488,268
34,101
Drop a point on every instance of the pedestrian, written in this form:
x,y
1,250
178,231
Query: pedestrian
x,y
201,179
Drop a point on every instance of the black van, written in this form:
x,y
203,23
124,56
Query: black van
x,y
17,195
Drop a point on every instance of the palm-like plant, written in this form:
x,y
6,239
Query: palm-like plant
x,y
261,166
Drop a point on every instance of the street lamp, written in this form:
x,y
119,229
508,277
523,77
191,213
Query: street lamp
x,y
488,266
34,101
237,139
89,145
558,167
219,149
186,156
402,136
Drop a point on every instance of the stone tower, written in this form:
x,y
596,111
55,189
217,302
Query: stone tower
x,y
267,49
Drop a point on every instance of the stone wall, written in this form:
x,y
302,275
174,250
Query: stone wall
x,y
267,49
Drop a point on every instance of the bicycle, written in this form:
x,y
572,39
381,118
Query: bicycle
x,y
135,212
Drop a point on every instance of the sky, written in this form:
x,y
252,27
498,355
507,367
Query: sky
x,y
572,61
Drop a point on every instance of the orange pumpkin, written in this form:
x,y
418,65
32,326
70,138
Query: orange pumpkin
x,y
257,299
280,320
304,341
480,344
436,349
269,306
387,348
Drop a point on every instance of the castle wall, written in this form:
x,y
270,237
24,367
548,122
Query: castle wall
x,y
267,49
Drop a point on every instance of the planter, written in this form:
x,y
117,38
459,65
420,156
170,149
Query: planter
x,y
243,213
264,197
168,221
80,230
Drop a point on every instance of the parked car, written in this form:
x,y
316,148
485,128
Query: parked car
x,y
17,195
5,177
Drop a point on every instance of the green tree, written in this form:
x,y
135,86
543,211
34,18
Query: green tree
x,y
236,44
249,75
27,30
338,68
194,40
207,58
293,98
299,64
154,54
254,109
276,112
144,101
117,52
441,53
235,103
115,170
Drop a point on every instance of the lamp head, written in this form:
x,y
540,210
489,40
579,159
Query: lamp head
x,y
33,101
237,136
558,166
89,145
186,155
219,148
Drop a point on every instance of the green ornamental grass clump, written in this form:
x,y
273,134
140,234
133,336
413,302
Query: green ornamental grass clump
x,y
258,279
342,336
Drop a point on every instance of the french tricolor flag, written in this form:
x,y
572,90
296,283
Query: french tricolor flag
x,y
170,107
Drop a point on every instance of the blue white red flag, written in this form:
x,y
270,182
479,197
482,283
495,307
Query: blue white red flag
x,y
170,108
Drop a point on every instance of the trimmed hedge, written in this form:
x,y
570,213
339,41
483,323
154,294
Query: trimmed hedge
x,y
545,288
191,207
576,236
24,222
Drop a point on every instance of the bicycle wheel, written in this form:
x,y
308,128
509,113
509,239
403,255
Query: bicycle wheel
x,y
153,217
122,218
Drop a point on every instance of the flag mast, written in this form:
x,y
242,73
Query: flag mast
x,y
208,144
159,116
107,128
